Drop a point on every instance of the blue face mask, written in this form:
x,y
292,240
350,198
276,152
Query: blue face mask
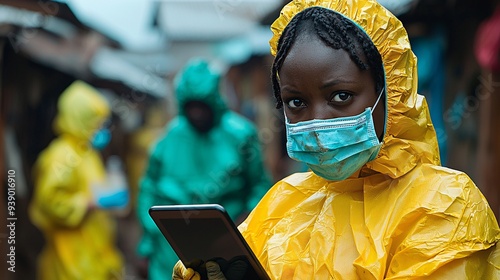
x,y
335,148
101,139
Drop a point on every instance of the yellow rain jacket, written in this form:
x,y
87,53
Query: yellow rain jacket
x,y
402,216
79,243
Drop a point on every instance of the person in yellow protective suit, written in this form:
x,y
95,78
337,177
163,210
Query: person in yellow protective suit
x,y
79,234
376,203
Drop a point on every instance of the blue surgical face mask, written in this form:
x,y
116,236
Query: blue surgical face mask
x,y
101,138
334,148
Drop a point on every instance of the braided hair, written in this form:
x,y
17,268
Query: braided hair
x,y
335,31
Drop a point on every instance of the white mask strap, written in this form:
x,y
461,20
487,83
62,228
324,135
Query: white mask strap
x,y
284,113
378,99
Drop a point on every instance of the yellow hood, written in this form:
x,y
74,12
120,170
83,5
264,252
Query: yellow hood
x,y
410,137
81,111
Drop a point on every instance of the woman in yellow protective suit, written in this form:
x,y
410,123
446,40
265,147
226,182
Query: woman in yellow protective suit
x,y
377,204
79,234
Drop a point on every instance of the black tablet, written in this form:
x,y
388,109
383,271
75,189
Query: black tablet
x,y
202,232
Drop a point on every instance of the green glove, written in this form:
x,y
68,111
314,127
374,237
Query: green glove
x,y
214,272
237,269
220,269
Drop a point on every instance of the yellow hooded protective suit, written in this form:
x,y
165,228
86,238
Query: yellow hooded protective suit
x,y
402,216
79,242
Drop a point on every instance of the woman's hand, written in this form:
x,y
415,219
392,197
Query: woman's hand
x,y
214,272
235,269
182,273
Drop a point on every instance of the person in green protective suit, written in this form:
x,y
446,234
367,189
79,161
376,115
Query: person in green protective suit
x,y
209,154
376,203
79,232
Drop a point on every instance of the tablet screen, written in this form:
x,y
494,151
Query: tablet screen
x,y
193,234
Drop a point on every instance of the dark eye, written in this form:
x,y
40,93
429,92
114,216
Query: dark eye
x,y
295,103
341,97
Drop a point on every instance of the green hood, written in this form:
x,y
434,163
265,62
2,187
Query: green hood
x,y
198,82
